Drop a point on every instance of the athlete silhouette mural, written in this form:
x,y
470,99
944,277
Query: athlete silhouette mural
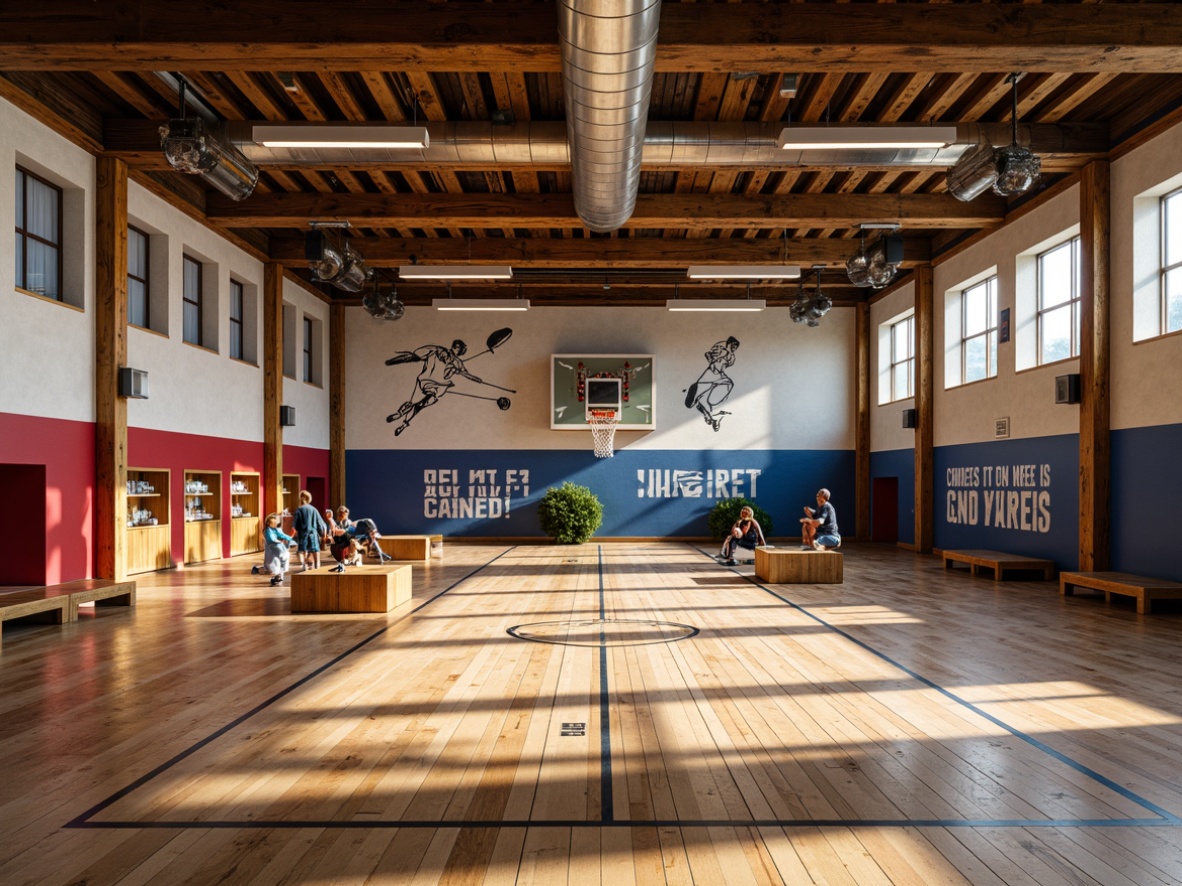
x,y
439,369
713,386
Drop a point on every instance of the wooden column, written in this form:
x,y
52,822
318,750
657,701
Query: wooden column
x,y
862,424
336,404
924,382
110,339
1094,361
272,388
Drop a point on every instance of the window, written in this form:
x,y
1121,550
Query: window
x,y
38,235
1058,302
308,377
138,306
191,295
903,359
978,331
1171,262
237,298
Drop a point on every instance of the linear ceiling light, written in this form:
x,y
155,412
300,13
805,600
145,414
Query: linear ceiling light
x,y
455,272
480,304
743,272
340,136
715,304
836,138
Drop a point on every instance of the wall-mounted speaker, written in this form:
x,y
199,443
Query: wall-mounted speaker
x,y
287,416
133,383
908,418
1067,388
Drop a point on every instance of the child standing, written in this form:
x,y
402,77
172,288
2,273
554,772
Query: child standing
x,y
309,528
277,556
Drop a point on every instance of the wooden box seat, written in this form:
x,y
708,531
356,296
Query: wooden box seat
x,y
1000,563
377,588
59,604
789,566
412,547
1145,590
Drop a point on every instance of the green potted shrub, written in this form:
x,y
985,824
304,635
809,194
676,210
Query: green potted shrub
x,y
569,513
726,511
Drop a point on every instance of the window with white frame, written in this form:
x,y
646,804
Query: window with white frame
x,y
237,311
902,368
139,309
1058,271
1171,262
38,235
978,331
191,298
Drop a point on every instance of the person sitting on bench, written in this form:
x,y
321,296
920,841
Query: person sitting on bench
x,y
818,529
364,532
746,533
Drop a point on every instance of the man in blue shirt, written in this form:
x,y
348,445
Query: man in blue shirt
x,y
818,529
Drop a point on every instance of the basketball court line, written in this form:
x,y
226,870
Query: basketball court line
x,y
1163,817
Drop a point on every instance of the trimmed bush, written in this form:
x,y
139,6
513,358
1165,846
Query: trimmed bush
x,y
726,511
570,514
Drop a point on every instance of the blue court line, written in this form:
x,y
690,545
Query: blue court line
x,y
1169,818
607,807
192,749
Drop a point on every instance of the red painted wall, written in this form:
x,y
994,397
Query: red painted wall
x,y
66,450
309,464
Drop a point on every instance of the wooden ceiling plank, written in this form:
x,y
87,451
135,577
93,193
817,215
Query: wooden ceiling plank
x,y
818,96
343,95
303,99
126,86
944,94
904,95
736,98
215,94
60,111
475,107
1085,87
251,87
774,105
858,99
430,106
384,95
710,89
985,94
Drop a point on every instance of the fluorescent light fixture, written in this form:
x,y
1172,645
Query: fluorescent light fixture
x,y
340,136
480,304
743,272
455,272
836,138
715,304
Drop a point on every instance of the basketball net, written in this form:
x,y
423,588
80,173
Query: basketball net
x,y
603,424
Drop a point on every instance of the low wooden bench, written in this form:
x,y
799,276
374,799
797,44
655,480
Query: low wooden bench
x,y
412,547
785,566
1145,590
999,562
58,604
377,588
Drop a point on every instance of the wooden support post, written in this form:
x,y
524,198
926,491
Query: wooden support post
x,y
862,426
110,334
336,408
924,381
1094,361
272,388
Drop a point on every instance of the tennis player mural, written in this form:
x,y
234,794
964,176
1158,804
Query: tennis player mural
x,y
439,367
713,386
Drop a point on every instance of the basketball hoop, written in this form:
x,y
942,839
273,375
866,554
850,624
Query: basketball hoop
x,y
603,424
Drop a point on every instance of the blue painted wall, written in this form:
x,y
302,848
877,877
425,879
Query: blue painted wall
x,y
898,463
1017,496
664,493
1146,490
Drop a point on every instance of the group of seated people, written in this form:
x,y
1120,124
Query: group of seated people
x,y
818,530
347,540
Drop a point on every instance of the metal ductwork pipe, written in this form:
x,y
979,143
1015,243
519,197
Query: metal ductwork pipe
x,y
608,49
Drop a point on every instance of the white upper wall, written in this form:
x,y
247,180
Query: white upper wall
x,y
886,420
793,386
310,399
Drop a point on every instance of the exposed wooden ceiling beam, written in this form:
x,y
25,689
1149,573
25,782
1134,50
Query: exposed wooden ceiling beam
x,y
722,38
652,210
598,252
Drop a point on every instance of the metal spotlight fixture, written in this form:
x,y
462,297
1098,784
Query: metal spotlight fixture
x,y
877,265
335,261
190,146
383,304
1018,168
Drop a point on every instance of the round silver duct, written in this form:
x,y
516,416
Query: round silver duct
x,y
608,48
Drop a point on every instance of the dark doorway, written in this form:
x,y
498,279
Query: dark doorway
x,y
319,491
884,503
22,522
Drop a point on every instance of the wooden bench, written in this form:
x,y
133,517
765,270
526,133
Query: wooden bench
x,y
377,588
1145,590
785,566
999,562
412,547
58,604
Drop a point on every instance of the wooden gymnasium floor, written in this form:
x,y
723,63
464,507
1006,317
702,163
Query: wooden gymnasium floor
x,y
680,723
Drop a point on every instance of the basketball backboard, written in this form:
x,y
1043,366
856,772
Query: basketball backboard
x,y
627,379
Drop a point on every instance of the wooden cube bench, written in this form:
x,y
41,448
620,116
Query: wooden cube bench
x,y
1145,590
58,604
1000,563
101,592
783,566
411,547
377,588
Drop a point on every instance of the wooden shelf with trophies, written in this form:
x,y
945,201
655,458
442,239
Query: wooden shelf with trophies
x,y
246,535
291,500
203,516
149,537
